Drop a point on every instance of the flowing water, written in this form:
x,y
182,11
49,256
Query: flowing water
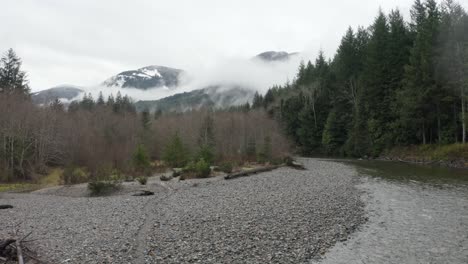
x,y
417,214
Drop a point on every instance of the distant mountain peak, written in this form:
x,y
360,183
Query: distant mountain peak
x,y
63,92
270,56
148,77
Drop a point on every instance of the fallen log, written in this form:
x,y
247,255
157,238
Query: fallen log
x,y
143,193
296,165
249,172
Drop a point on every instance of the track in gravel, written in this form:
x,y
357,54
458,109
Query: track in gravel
x,y
148,222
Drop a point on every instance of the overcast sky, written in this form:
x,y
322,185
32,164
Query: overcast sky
x,y
83,42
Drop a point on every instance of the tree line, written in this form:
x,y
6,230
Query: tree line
x,y
395,83
108,137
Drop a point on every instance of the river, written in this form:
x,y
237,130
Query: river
x,y
417,214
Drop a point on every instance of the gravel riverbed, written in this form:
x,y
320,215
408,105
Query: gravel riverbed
x,y
282,216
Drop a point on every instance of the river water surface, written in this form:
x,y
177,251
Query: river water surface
x,y
417,214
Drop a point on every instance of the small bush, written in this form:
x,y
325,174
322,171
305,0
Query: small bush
x,y
200,169
103,187
142,180
206,153
74,175
226,167
141,161
105,181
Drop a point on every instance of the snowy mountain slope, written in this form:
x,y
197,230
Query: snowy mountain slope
x,y
145,78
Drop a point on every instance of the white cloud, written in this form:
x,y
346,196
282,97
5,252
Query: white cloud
x,y
83,42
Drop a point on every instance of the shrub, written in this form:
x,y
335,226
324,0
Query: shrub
x,y
199,169
74,175
103,187
226,167
176,154
141,161
202,169
206,153
105,181
142,180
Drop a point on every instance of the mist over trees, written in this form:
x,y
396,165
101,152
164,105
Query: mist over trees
x,y
105,135
394,83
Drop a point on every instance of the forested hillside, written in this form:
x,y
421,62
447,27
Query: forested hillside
x,y
395,83
105,137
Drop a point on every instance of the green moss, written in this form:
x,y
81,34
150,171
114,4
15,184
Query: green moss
x,y
18,187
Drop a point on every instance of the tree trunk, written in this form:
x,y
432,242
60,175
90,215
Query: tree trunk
x,y
463,115
424,133
439,134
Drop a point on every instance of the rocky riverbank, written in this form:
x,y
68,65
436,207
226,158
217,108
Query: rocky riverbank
x,y
282,216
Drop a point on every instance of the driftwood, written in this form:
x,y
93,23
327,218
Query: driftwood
x,y
249,172
143,193
19,252
14,249
296,165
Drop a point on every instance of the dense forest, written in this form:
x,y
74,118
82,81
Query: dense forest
x,y
392,84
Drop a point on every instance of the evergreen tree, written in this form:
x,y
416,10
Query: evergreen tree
x,y
12,78
100,101
176,153
377,96
110,101
419,96
206,140
257,101
141,160
145,119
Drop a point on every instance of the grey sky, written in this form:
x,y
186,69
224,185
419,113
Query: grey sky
x,y
83,42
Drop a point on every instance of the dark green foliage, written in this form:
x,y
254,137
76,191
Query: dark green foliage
x,y
97,188
176,154
392,84
257,100
206,153
145,119
105,181
199,169
12,78
226,167
141,160
206,140
100,100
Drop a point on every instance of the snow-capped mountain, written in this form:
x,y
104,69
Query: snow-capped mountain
x,y
148,77
65,93
270,56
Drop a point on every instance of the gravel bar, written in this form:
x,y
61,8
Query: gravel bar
x,y
282,216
